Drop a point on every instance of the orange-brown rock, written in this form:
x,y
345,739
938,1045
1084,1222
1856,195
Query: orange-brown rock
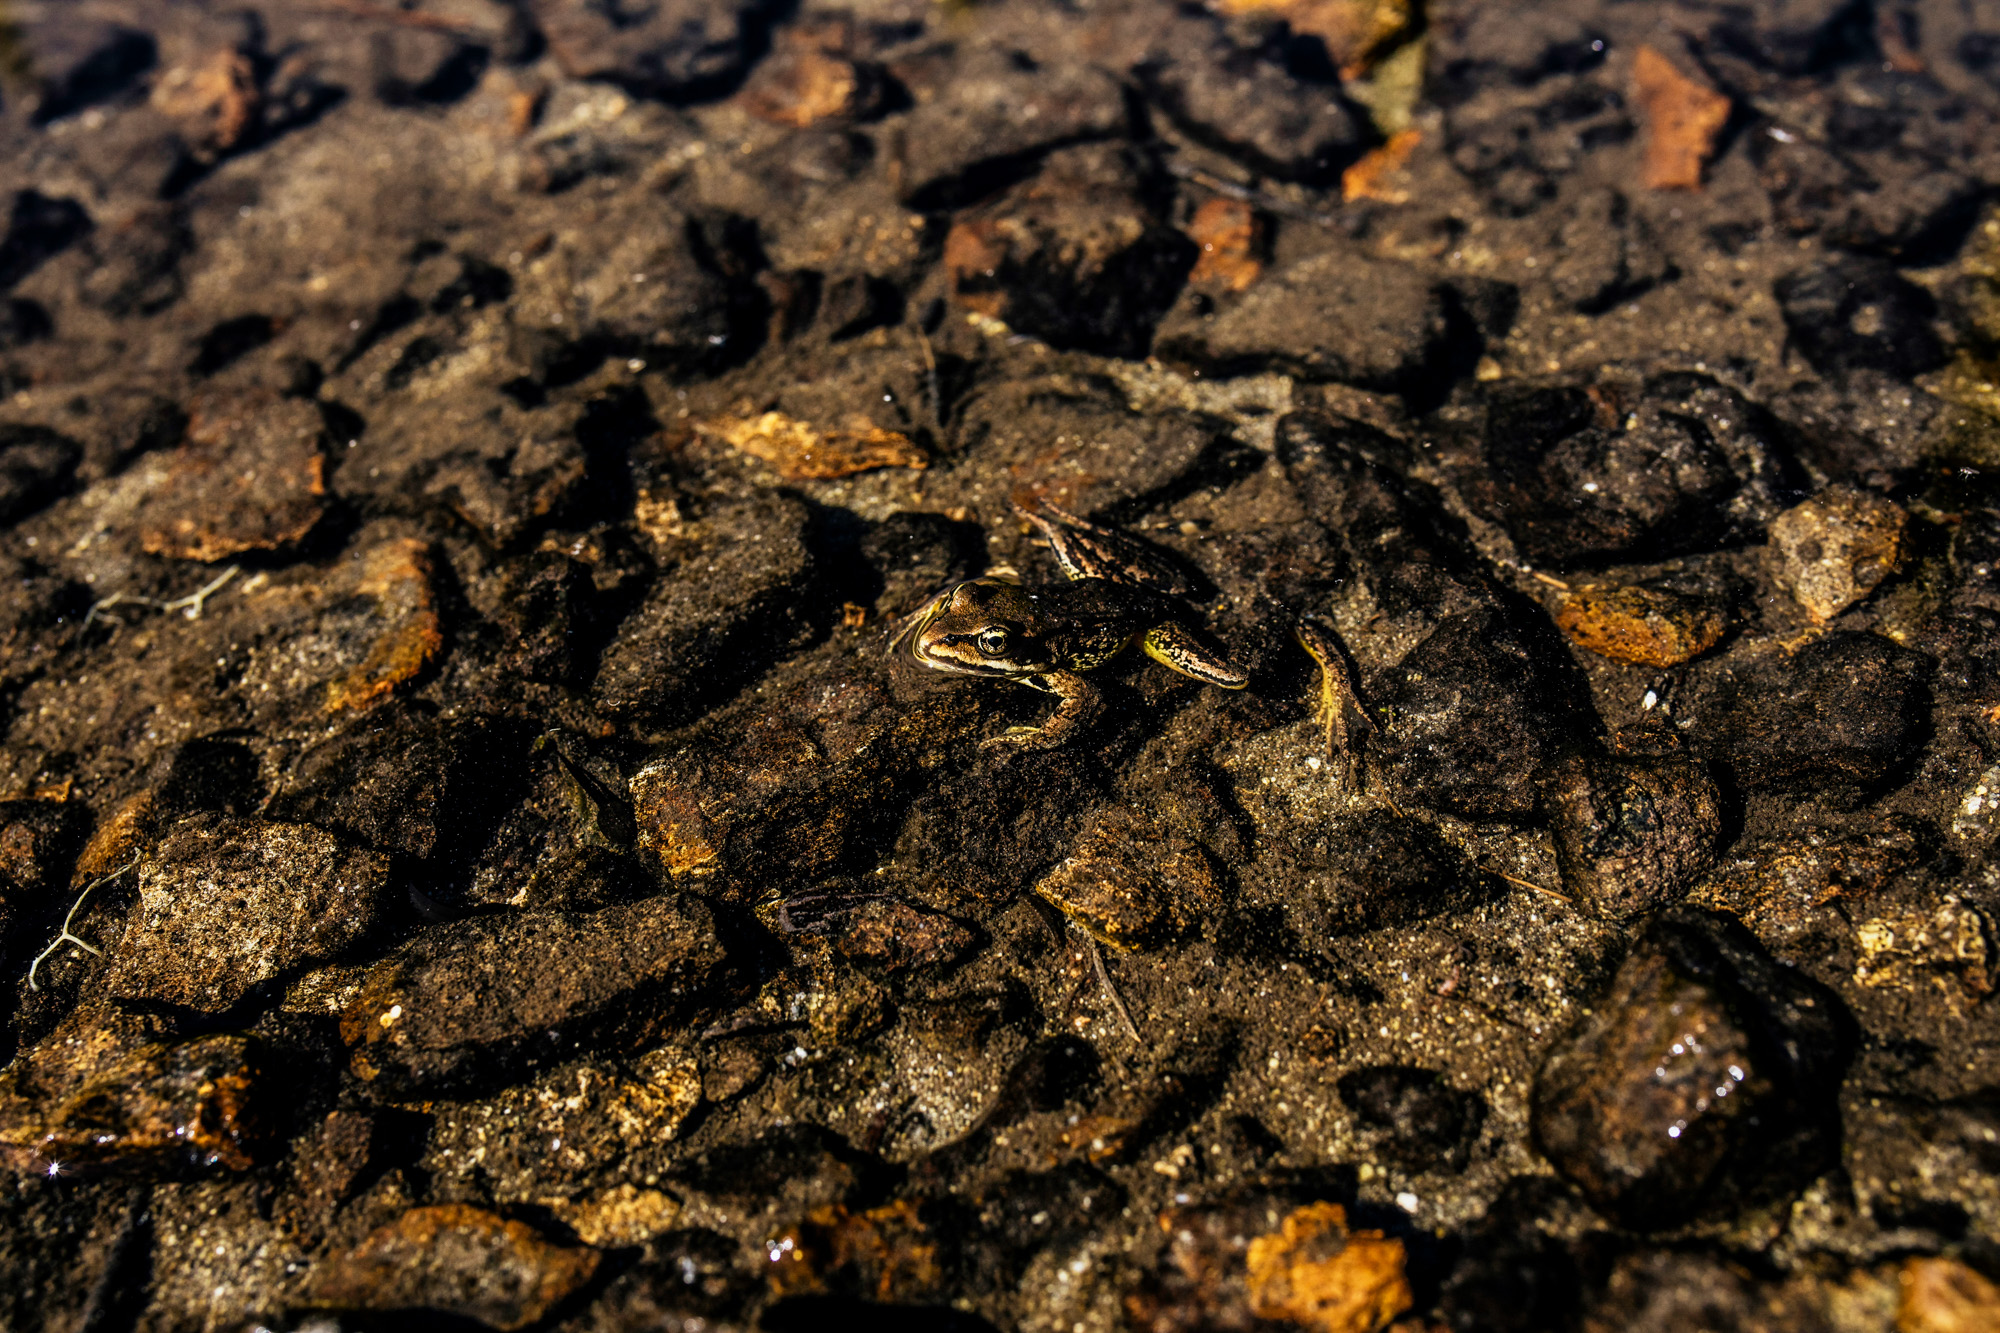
x,y
397,575
1942,1295
801,451
251,477
1316,1273
1231,237
1641,625
1683,117
455,1259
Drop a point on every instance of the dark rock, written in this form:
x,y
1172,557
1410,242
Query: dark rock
x,y
1633,833
551,610
1575,475
1522,46
22,322
411,783
714,621
678,50
1606,254
1410,557
454,1260
1470,715
507,496
1924,1168
1662,1291
329,1166
1513,1277
917,553
1430,1125
981,121
424,67
1074,256
136,261
1852,313
37,840
1336,316
36,466
1518,152
569,845
226,906
38,227
1797,36
661,292
1840,717
1799,893
1379,870
164,1109
251,477
83,61
478,1001
683,1277
1242,99
1702,1081
1075,440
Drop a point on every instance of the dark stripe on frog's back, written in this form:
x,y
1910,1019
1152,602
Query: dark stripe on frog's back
x,y
1098,619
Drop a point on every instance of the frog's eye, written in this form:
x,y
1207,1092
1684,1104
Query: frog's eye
x,y
993,642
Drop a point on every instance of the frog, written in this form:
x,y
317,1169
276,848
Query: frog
x,y
1117,593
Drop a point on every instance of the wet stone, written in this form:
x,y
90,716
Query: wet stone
x,y
552,613
976,126
573,1127
1378,870
916,553
686,1280
251,477
36,840
36,466
1607,254
1131,884
1336,316
1841,716
1633,833
1578,475
1240,1261
1853,313
228,906
877,929
1943,1295
1836,548
405,782
478,1001
1471,715
455,1260
1074,256
727,608
1426,1124
329,1165
1924,1168
164,1109
1641,624
535,479
680,50
568,845
1239,97
1700,1082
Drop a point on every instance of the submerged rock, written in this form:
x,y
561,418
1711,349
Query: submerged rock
x,y
1701,1081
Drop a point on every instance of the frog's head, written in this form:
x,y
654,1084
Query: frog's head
x,y
986,627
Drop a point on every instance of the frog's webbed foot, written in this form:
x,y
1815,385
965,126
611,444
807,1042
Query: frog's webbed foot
x,y
1341,711
1083,550
1080,703
1177,647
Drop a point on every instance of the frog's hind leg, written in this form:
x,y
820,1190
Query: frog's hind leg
x,y
1083,550
1175,646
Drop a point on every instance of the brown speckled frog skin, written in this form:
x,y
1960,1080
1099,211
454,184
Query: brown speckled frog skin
x,y
1046,636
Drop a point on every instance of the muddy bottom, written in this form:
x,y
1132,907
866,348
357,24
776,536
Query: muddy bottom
x,y
469,857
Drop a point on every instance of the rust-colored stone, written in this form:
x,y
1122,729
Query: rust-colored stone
x,y
459,1260
1640,625
1130,884
1372,177
1683,117
801,451
251,477
1231,237
217,102
1942,1295
1316,1273
397,574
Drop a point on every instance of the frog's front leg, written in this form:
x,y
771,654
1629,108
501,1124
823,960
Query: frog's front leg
x,y
1080,703
1174,646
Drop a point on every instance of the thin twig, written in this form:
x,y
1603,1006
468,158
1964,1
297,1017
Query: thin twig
x,y
1110,990
75,907
190,606
1559,897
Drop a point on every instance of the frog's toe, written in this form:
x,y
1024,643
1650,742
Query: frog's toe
x,y
1175,646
